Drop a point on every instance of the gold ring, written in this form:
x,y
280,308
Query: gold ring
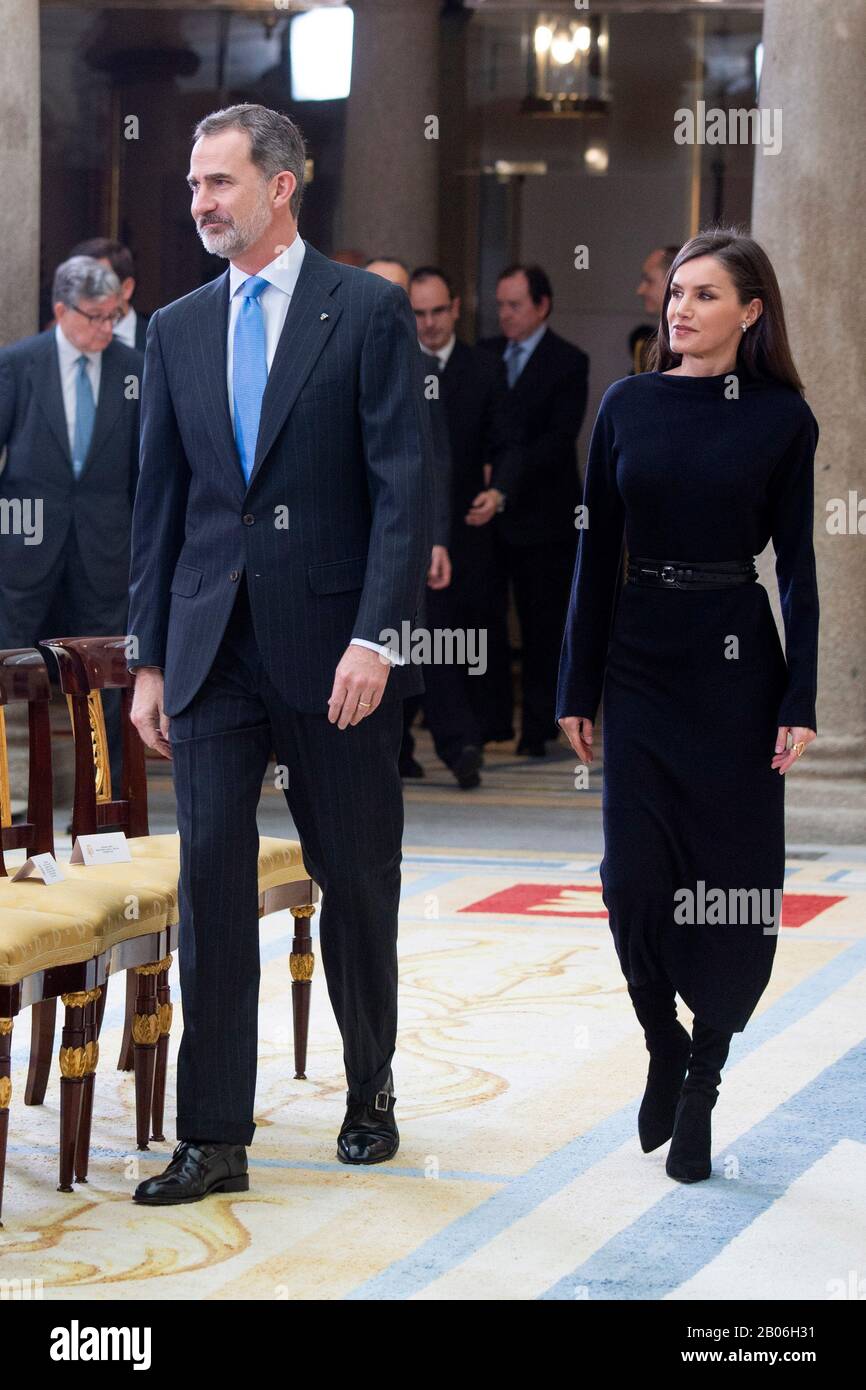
x,y
798,748
365,703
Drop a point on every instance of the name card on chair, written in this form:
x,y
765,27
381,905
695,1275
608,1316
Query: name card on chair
x,y
44,865
110,847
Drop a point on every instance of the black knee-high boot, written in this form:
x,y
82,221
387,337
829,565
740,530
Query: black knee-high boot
x,y
689,1157
668,1045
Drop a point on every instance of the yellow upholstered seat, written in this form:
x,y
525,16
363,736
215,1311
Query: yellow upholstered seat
x,y
280,861
31,941
50,924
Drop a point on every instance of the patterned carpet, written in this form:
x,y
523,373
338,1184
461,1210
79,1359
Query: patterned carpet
x,y
518,1074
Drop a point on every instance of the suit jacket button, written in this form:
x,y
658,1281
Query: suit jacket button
x,y
248,519
235,576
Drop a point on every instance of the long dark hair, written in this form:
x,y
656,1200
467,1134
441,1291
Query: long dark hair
x,y
764,352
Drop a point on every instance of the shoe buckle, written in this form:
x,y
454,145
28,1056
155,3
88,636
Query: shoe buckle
x,y
384,1097
668,574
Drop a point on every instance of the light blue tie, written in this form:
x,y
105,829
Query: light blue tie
x,y
249,370
513,361
85,414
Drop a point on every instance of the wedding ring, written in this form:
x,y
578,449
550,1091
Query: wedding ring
x,y
365,703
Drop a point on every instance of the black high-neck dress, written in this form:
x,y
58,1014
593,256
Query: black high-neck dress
x,y
695,683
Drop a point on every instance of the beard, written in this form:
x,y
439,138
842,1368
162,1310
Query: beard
x,y
232,236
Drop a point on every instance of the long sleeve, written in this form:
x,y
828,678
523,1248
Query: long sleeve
x,y
593,590
395,423
791,497
159,514
503,445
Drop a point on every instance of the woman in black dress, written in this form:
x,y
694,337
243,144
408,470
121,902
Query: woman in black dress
x,y
697,463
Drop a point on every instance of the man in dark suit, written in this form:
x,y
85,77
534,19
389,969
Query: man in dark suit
x,y
132,327
281,533
651,291
486,464
537,541
69,401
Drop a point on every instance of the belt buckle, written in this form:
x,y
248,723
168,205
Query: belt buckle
x,y
382,1096
668,574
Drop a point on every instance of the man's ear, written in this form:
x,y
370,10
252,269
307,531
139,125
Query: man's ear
x,y
127,287
284,186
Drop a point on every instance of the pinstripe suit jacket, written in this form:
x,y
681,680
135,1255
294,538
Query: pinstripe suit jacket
x,y
334,527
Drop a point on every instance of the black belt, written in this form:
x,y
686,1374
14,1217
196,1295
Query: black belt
x,y
690,574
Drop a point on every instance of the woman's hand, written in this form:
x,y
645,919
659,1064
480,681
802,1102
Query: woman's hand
x,y
786,757
578,731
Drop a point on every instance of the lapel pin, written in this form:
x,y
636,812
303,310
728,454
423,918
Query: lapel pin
x,y
322,317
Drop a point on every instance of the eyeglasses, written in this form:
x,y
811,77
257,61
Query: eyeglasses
x,y
111,319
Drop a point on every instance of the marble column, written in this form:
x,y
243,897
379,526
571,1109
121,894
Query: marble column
x,y
809,212
389,193
19,238
19,162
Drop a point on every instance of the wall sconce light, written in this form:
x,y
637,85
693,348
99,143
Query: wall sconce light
x,y
567,63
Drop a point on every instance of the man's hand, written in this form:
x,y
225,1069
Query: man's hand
x,y
483,508
578,731
148,715
359,684
439,573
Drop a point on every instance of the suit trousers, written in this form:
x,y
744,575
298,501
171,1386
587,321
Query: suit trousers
x,y
541,575
345,796
447,708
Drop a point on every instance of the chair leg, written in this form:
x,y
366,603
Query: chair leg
x,y
75,1062
43,1017
91,1049
164,1012
125,1060
145,1036
302,963
5,1097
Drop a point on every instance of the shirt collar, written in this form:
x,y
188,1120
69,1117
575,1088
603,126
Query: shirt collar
x,y
67,351
282,272
442,353
528,345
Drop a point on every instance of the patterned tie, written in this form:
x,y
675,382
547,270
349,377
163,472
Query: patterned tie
x,y
249,370
513,361
85,414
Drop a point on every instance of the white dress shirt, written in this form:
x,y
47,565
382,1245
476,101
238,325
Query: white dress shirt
x,y
282,276
443,353
68,355
125,330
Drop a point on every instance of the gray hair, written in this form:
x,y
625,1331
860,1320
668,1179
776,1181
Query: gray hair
x,y
276,143
83,277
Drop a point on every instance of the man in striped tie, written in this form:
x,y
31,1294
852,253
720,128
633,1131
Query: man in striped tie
x,y
282,529
69,420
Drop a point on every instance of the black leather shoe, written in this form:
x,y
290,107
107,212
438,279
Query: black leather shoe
x,y
410,768
466,767
197,1168
369,1133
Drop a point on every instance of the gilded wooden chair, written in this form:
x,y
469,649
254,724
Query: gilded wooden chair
x,y
89,665
59,940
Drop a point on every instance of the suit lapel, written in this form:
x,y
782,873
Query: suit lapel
x,y
310,321
533,373
48,390
208,326
111,388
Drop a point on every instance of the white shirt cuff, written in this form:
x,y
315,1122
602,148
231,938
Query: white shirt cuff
x,y
391,655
